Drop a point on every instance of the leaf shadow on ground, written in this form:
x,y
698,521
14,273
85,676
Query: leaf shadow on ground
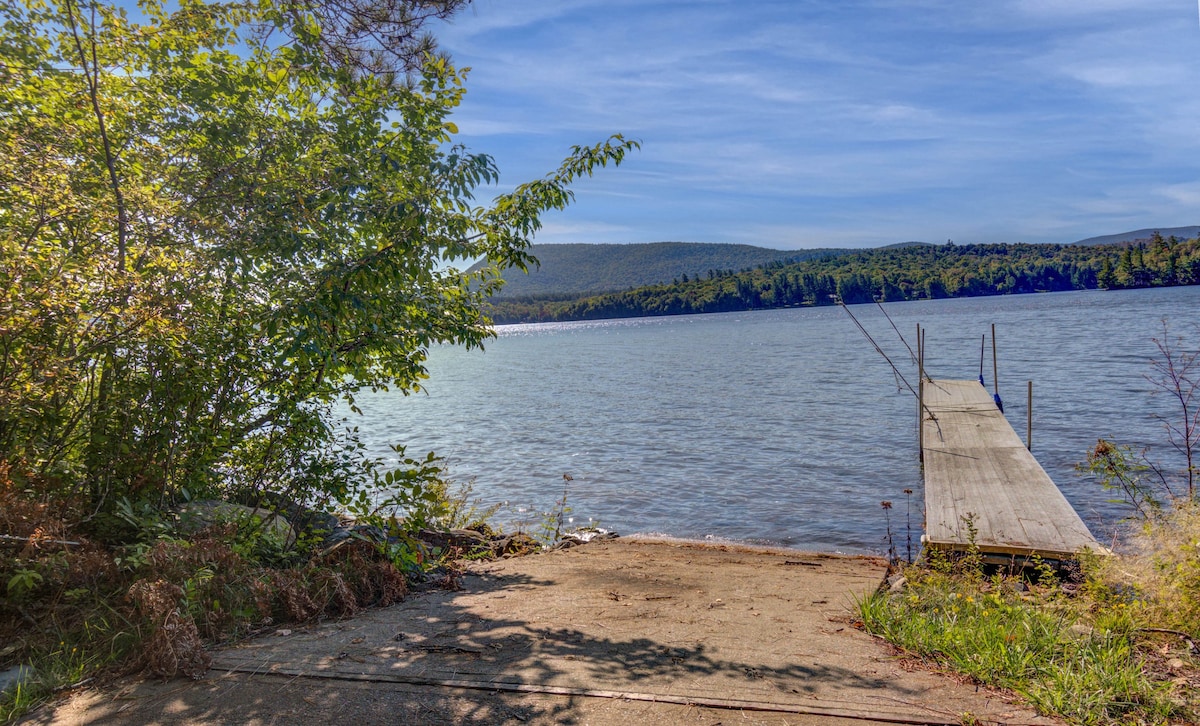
x,y
466,643
621,628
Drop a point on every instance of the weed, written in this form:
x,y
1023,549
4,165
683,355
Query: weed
x,y
1158,579
887,516
1043,572
562,509
1001,633
1118,468
23,583
972,561
463,510
908,532
550,525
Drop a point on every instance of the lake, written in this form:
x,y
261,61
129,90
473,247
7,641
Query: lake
x,y
780,427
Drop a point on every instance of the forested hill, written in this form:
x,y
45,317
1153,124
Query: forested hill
x,y
898,273
579,269
1141,235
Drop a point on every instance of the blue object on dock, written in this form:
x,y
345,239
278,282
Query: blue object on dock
x,y
999,403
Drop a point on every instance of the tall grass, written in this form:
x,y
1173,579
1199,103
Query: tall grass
x,y
1159,576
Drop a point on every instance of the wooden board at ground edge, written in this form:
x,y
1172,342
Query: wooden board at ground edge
x,y
980,476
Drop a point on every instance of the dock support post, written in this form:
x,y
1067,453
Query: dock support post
x,y
1029,418
920,394
996,373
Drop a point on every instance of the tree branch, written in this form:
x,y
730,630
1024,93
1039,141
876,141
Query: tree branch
x,y
110,161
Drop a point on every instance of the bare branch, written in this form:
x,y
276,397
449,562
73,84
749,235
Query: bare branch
x,y
92,75
371,37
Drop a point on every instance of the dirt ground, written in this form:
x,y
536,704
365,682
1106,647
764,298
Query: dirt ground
x,y
616,632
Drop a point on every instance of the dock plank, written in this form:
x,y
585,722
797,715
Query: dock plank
x,y
977,468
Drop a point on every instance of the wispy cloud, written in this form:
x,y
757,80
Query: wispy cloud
x,y
846,122
1185,195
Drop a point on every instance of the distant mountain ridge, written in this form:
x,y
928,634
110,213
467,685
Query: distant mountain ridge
x,y
579,269
909,272
573,270
1141,235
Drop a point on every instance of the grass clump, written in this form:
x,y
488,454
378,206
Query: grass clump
x,y
1108,648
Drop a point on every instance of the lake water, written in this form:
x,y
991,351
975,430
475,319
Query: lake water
x,y
780,427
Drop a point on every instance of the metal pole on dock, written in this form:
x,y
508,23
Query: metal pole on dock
x,y
920,394
982,342
995,373
1029,419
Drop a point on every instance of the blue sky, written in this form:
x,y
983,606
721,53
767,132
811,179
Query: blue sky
x,y
844,123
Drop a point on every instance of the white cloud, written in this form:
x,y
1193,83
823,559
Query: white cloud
x,y
875,120
486,16
1187,195
580,231
1129,75
1049,9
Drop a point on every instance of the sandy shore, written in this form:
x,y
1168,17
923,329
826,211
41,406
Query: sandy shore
x,y
614,632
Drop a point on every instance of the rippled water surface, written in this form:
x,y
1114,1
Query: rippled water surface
x,y
782,427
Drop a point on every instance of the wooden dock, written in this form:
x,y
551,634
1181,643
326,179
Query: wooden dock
x,y
978,469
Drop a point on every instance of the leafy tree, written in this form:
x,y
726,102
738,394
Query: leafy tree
x,y
1125,269
1106,278
218,221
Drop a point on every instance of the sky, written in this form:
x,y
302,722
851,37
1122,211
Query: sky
x,y
843,123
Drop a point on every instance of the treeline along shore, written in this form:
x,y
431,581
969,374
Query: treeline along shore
x,y
916,272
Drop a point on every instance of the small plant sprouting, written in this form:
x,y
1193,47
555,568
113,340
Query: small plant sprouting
x,y
23,582
562,507
554,521
908,555
887,506
1044,573
972,562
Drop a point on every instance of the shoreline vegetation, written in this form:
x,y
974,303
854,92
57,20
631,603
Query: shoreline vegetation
x,y
1105,640
913,272
79,610
1109,641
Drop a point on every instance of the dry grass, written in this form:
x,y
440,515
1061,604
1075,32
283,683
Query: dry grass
x,y
70,610
173,645
1159,576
